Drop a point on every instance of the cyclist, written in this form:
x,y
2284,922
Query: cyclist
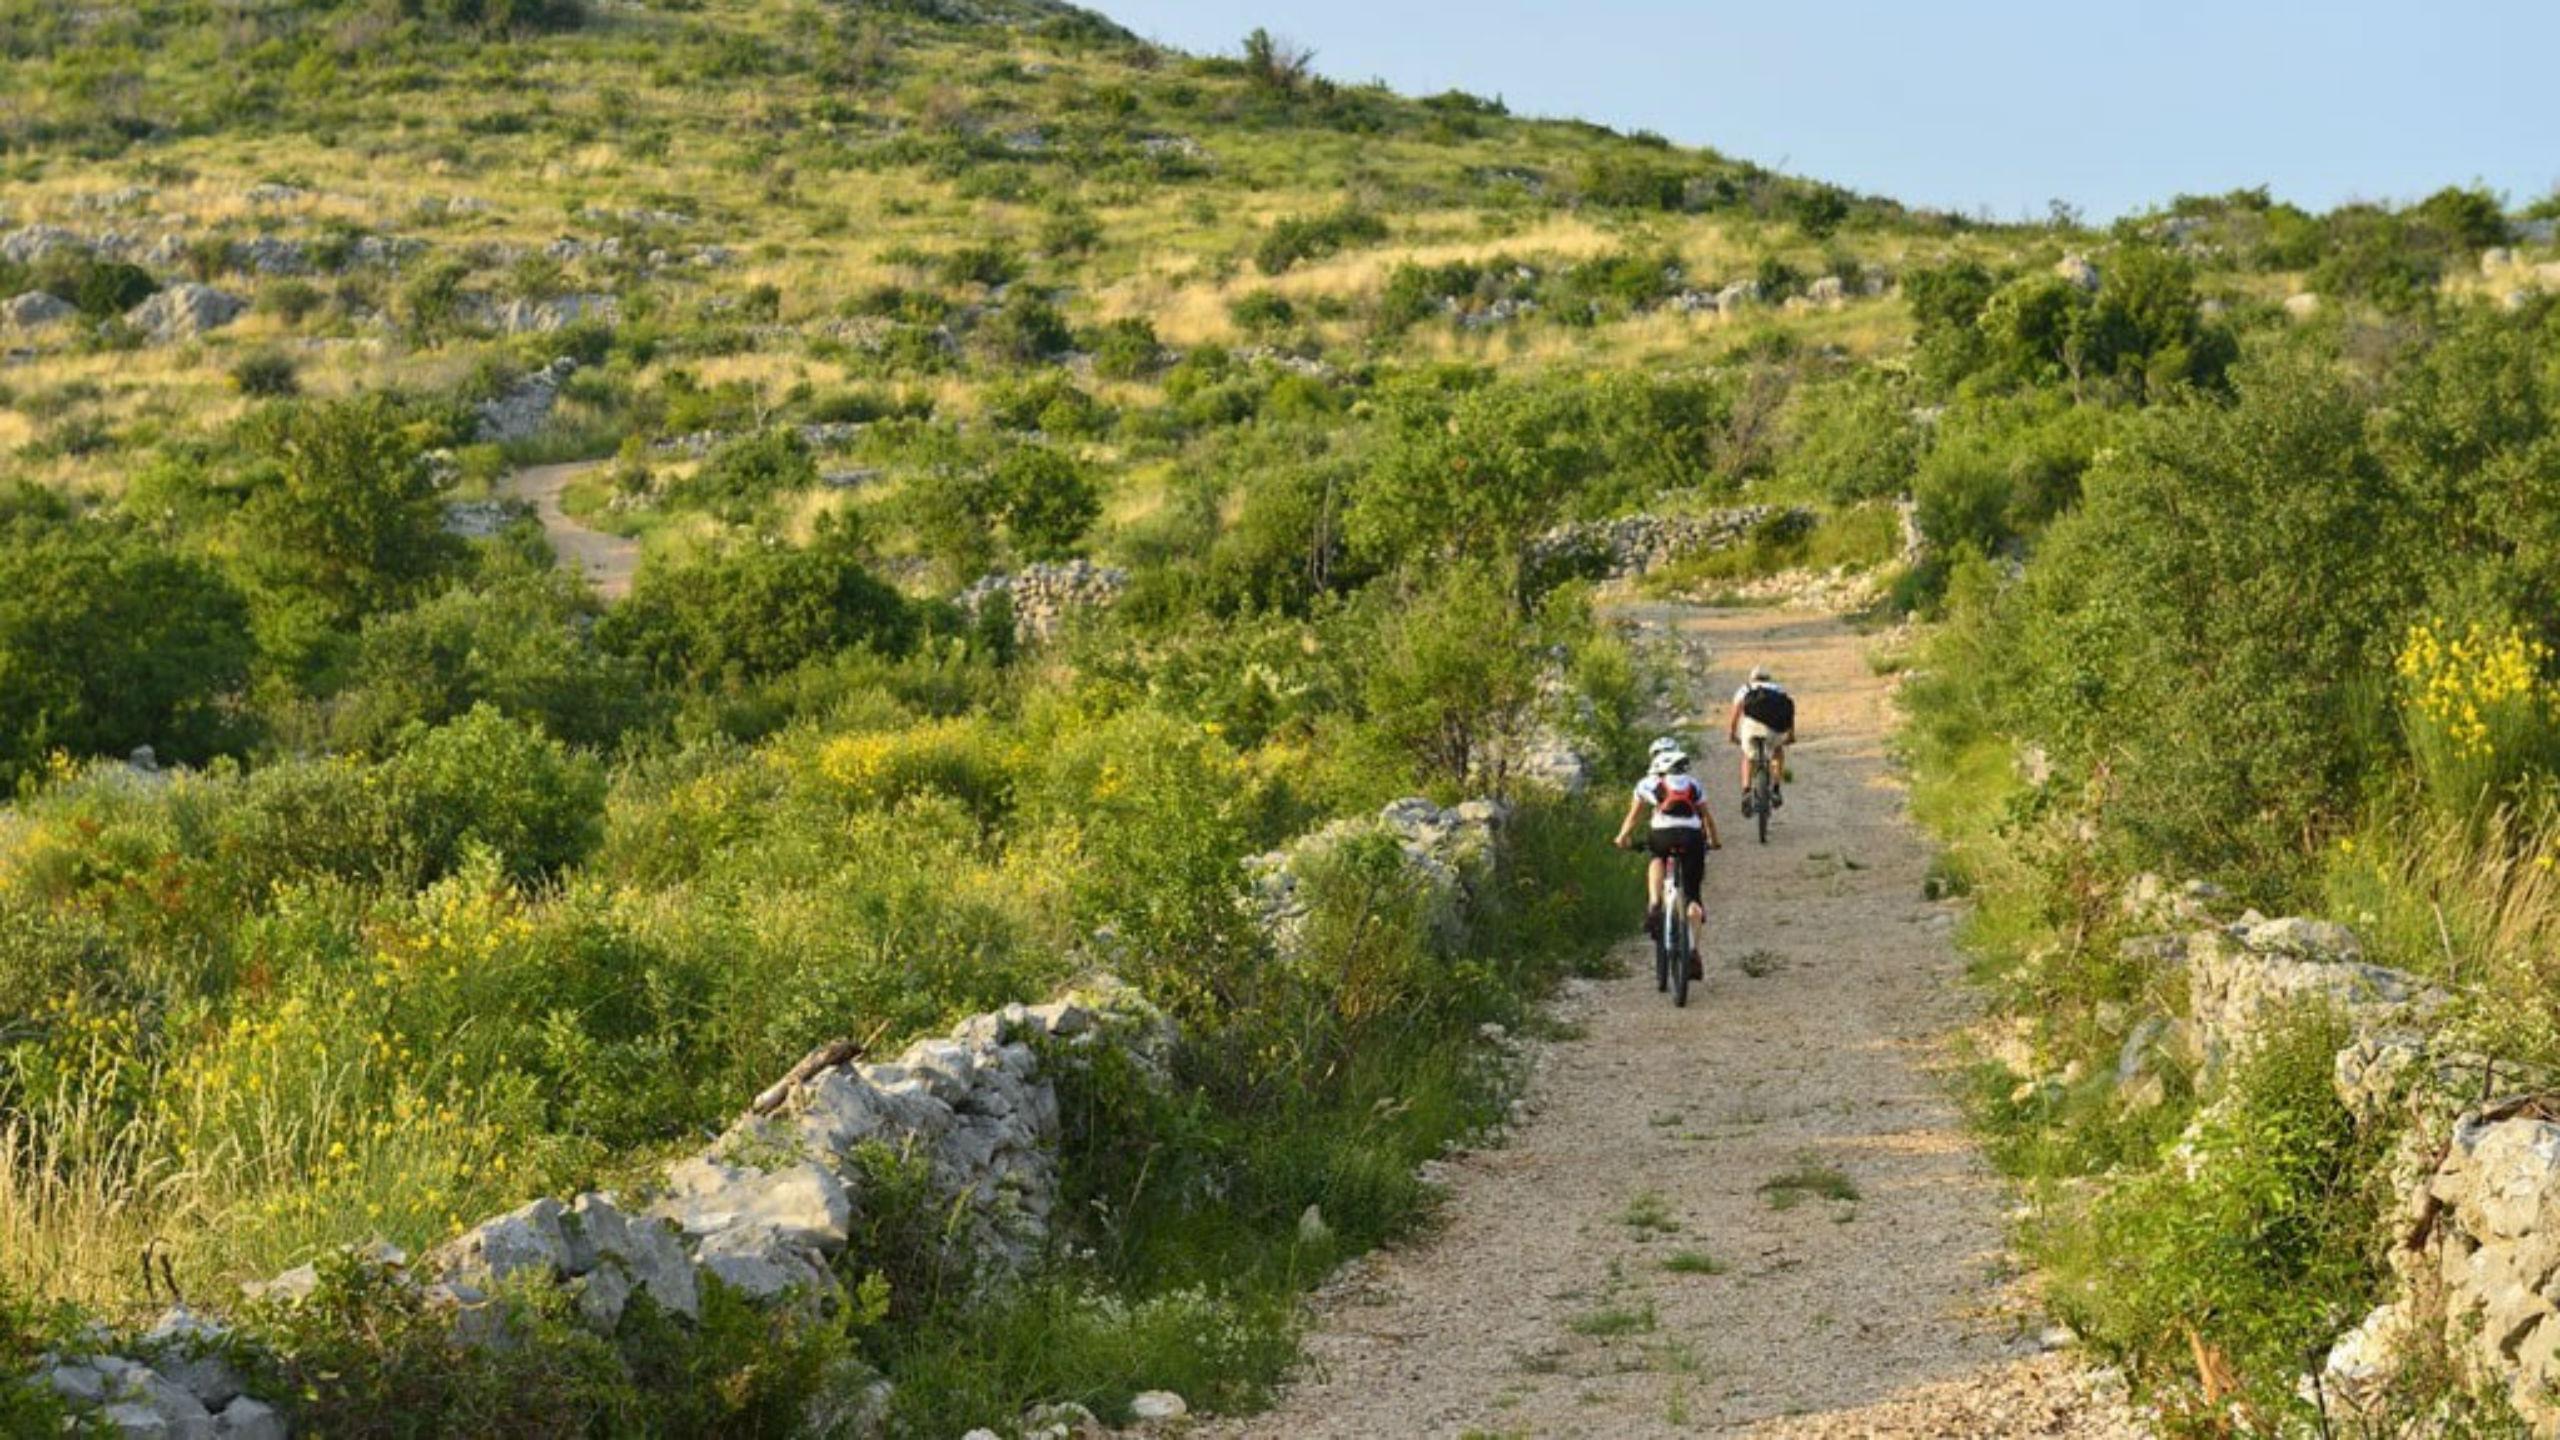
x,y
1684,827
1762,710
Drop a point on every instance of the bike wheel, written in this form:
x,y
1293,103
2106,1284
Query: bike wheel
x,y
1760,801
1662,947
1680,957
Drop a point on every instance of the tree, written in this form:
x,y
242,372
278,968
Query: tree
x,y
346,515
1470,465
1048,501
1276,63
108,642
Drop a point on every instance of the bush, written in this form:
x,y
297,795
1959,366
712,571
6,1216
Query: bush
x,y
1854,440
266,375
108,641
520,645
1300,238
1262,310
1127,350
744,476
1026,330
345,513
756,612
487,781
1048,500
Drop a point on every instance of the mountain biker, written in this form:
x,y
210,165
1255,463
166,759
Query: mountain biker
x,y
1683,828
1763,710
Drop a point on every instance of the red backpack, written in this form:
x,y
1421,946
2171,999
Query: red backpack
x,y
1680,797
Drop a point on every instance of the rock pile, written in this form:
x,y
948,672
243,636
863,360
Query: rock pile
x,y
540,317
1044,596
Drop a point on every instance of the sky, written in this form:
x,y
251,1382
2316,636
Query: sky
x,y
1985,105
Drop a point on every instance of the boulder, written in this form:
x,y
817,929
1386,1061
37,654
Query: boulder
x,y
1155,1405
35,310
804,1204
2078,270
525,1240
184,311
520,410
190,1350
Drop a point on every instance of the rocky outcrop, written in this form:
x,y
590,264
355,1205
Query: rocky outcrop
x,y
35,310
185,311
520,410
540,317
1045,596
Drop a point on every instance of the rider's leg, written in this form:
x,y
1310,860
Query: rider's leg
x,y
1653,896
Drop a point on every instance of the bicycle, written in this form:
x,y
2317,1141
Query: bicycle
x,y
1674,940
1756,802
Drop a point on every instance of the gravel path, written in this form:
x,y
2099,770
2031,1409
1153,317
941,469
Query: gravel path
x,y
608,561
1622,1266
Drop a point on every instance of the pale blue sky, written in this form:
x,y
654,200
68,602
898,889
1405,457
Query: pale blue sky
x,y
1965,104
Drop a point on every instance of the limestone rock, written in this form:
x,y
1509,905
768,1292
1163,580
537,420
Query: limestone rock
x,y
2078,270
524,1240
1155,1405
35,310
184,311
247,1419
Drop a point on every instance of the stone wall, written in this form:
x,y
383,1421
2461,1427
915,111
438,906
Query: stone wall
x,y
1633,544
1045,596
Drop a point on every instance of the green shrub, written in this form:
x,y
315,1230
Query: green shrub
x,y
1026,330
743,477
1263,310
520,644
266,375
1299,238
108,641
1048,500
756,612
485,780
1854,440
1127,350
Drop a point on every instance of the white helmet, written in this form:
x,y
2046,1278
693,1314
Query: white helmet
x,y
1760,675
1671,761
1662,745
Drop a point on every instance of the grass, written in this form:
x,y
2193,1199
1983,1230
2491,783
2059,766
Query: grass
x,y
1809,1180
1649,1214
1761,963
1693,1262
1614,1321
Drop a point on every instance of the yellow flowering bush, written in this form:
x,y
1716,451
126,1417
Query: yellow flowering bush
x,y
2478,709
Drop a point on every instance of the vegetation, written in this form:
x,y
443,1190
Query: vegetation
x,y
461,883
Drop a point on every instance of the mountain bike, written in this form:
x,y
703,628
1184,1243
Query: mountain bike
x,y
1672,945
1756,801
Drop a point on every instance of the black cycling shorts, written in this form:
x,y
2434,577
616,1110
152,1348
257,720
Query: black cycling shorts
x,y
1666,841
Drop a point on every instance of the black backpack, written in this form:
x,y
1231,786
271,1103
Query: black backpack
x,y
1772,707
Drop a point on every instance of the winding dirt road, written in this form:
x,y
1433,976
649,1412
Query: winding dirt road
x,y
1629,1263
608,561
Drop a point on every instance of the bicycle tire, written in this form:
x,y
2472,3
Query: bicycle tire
x,y
1662,940
1680,956
1760,806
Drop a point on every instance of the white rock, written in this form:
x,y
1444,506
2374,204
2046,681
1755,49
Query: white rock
x,y
1158,1405
184,311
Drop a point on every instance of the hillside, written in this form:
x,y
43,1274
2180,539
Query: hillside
x,y
1012,475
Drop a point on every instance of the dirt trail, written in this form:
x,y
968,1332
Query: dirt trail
x,y
1548,1304
608,561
